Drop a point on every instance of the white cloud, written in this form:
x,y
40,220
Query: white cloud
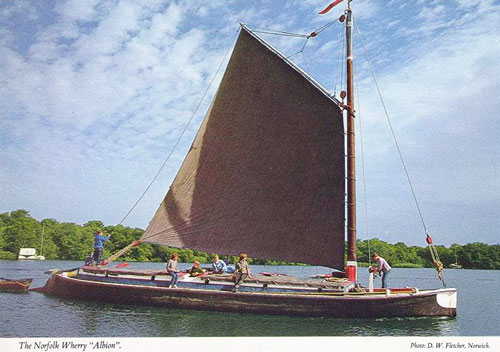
x,y
74,10
96,89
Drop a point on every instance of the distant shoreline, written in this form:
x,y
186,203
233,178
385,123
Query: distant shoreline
x,y
360,264
70,241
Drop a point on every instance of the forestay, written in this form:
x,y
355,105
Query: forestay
x,y
265,174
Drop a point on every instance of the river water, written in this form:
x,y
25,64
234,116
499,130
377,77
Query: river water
x,y
36,315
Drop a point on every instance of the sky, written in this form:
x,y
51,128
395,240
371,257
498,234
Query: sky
x,y
94,96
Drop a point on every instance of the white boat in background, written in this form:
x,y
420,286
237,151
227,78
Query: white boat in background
x,y
455,265
29,254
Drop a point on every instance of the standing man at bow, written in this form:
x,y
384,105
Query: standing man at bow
x,y
99,240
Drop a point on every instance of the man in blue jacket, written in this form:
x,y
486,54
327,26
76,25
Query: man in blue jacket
x,y
99,240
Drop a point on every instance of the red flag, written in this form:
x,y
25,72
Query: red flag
x,y
329,7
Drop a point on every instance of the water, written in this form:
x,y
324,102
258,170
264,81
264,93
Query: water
x,y
36,315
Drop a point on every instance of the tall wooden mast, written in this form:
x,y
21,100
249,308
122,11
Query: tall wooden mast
x,y
351,156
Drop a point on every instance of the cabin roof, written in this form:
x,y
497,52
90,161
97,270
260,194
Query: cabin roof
x,y
27,251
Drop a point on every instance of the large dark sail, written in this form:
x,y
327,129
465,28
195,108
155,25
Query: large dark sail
x,y
265,174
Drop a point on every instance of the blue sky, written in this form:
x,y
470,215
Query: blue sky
x,y
94,95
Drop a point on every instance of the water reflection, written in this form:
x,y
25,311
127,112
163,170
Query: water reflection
x,y
94,319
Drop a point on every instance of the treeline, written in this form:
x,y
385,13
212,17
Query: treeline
x,y
470,256
70,241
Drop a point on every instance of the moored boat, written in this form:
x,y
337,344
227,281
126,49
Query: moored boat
x,y
14,286
29,254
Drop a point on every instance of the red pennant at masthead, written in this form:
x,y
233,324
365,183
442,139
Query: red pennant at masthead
x,y
329,7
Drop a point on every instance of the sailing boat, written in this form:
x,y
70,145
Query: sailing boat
x,y
265,175
456,265
30,253
40,256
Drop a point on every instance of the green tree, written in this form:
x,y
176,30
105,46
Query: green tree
x,y
478,255
50,249
94,225
74,242
22,232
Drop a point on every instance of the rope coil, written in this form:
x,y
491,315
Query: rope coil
x,y
438,265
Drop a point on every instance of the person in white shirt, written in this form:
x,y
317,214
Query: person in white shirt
x,y
382,268
218,266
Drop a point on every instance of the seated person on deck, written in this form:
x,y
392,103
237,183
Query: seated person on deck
x,y
218,266
173,270
90,258
195,269
241,272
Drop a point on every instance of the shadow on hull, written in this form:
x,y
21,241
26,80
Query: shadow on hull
x,y
335,305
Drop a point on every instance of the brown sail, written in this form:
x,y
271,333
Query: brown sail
x,y
265,174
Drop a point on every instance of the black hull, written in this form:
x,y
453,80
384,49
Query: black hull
x,y
424,303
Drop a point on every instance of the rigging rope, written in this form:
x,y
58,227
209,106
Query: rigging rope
x,y
179,139
300,51
283,34
291,34
358,114
435,258
136,242
321,29
392,130
275,31
340,62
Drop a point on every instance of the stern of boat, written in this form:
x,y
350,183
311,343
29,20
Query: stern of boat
x,y
447,299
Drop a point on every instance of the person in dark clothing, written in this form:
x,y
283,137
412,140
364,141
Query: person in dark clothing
x,y
241,271
90,258
195,269
99,240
